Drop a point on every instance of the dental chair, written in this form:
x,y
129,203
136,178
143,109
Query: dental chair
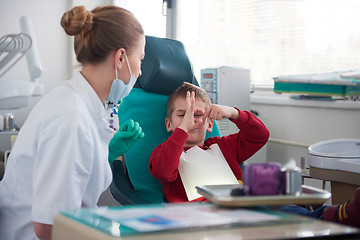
x,y
165,68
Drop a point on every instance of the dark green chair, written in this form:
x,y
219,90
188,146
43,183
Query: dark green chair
x,y
165,68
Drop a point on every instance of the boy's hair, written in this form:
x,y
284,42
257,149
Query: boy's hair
x,y
200,94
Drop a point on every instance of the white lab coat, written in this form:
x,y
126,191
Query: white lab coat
x,y
59,160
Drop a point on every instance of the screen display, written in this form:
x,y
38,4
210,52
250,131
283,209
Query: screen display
x,y
207,75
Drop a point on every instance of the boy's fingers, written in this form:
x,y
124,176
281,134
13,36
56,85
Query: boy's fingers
x,y
190,103
219,116
193,97
187,99
207,114
192,100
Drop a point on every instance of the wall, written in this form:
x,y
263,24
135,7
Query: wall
x,y
53,43
301,123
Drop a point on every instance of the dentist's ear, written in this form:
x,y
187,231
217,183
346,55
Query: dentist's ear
x,y
120,57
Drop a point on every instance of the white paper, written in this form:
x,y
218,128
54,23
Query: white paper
x,y
204,167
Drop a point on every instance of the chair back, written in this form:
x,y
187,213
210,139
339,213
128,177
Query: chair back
x,y
165,68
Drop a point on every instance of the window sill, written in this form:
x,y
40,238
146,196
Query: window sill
x,y
270,98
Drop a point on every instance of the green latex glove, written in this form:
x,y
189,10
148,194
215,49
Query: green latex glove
x,y
125,138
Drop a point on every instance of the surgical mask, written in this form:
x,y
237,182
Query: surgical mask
x,y
119,89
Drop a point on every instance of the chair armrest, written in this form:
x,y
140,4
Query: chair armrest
x,y
121,187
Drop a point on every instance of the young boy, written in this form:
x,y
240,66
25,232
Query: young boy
x,y
189,117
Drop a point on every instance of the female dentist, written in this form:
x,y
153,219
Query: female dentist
x,y
60,158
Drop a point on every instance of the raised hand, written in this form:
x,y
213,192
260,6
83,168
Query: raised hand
x,y
193,116
219,112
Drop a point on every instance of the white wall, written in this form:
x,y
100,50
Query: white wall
x,y
53,43
305,124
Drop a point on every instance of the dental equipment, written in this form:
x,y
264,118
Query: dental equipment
x,y
16,94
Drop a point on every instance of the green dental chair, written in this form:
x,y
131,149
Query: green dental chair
x,y
164,69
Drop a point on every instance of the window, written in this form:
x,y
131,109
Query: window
x,y
271,37
149,13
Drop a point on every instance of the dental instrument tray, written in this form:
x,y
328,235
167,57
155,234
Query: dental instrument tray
x,y
221,195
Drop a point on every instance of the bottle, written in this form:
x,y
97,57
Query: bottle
x,y
1,123
9,124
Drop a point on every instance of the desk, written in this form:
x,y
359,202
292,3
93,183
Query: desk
x,y
66,228
306,175
343,184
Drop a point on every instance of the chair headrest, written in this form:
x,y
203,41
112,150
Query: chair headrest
x,y
165,66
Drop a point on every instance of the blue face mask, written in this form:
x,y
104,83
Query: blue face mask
x,y
119,89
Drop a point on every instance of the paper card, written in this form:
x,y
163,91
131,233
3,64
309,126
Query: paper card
x,y
204,167
179,216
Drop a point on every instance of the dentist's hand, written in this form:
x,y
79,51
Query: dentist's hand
x,y
124,139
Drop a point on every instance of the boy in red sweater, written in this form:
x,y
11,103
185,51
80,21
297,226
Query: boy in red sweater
x,y
189,117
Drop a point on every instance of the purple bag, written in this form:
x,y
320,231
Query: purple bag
x,y
262,179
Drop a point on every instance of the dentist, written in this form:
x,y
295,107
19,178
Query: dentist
x,y
60,158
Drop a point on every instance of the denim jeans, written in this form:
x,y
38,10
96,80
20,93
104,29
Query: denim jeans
x,y
302,211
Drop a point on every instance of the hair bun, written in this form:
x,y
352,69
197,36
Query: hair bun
x,y
77,20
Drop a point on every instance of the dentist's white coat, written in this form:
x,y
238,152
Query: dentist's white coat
x,y
59,160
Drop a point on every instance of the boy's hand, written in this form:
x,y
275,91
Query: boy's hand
x,y
219,112
124,139
190,120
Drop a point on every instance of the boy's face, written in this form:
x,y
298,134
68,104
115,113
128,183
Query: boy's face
x,y
197,135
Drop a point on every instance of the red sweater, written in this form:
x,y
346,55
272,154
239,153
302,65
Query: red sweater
x,y
236,148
